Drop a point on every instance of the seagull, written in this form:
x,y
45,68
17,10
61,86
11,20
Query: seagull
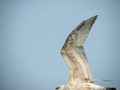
x,y
80,77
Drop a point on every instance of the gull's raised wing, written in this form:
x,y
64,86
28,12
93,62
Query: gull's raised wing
x,y
74,54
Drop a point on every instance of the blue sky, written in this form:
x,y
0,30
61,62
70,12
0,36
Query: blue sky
x,y
33,32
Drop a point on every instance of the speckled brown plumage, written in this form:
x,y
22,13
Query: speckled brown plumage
x,y
80,77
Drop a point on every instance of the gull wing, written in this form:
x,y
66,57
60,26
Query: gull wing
x,y
74,54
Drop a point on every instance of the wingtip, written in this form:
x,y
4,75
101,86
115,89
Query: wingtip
x,y
87,22
92,18
95,17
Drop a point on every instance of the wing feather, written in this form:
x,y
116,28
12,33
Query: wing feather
x,y
74,54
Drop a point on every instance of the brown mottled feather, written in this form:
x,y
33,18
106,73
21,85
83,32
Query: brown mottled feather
x,y
74,54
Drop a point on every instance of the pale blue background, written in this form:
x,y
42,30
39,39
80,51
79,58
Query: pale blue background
x,y
32,33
